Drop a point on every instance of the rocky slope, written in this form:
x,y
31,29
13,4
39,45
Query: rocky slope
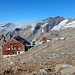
x,y
56,57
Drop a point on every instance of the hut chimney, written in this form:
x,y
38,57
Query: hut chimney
x,y
3,38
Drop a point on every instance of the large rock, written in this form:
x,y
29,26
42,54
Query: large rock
x,y
65,69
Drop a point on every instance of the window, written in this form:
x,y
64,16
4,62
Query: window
x,y
14,48
8,48
18,52
19,48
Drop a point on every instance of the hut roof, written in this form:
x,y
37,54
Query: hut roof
x,y
51,36
21,40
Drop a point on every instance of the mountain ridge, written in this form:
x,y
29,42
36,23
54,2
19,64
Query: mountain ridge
x,y
32,30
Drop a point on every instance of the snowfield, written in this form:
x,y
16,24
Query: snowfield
x,y
64,24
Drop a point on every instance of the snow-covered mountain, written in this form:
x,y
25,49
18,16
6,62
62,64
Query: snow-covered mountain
x,y
37,27
30,30
5,28
64,24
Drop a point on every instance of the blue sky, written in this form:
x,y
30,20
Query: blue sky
x,y
19,11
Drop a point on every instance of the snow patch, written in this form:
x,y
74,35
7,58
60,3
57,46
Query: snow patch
x,y
64,25
60,26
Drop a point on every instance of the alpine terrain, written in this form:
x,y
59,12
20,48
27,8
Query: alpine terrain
x,y
54,56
